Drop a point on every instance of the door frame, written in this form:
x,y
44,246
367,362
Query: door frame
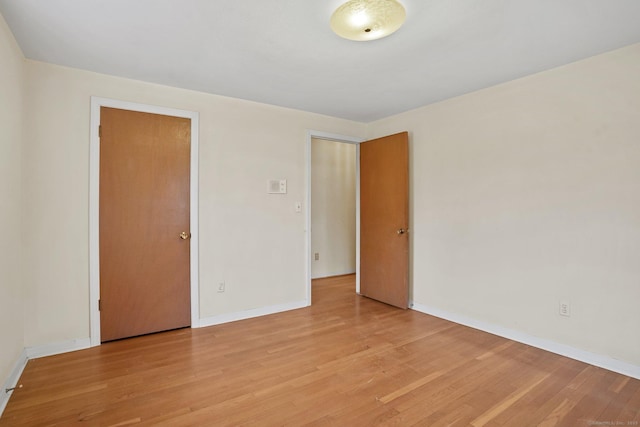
x,y
94,206
307,226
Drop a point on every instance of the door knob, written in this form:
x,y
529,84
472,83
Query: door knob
x,y
401,231
184,235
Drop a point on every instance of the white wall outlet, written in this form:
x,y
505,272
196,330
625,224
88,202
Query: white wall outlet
x,y
565,309
316,256
221,287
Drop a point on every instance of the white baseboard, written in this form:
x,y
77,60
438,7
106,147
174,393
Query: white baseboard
x,y
57,348
599,360
334,273
248,314
12,380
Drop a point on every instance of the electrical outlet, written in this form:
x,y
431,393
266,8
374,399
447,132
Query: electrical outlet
x,y
316,256
565,309
221,287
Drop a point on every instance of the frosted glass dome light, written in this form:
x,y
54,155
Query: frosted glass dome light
x,y
364,20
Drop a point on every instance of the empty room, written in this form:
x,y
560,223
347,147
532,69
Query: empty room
x,y
327,213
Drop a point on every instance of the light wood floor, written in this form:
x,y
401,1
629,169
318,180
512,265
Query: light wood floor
x,y
345,361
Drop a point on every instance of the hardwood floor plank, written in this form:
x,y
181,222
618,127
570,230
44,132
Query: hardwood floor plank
x,y
410,387
625,408
345,361
556,416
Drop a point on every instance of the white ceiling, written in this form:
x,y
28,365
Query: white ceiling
x,y
283,52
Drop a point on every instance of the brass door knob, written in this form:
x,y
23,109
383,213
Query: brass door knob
x,y
184,235
401,231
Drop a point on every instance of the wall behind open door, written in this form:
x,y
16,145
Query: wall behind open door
x,y
333,208
314,134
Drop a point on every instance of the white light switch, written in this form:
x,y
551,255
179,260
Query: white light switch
x,y
298,207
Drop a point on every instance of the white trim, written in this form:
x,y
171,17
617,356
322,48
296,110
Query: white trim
x,y
249,314
599,360
358,219
12,380
94,208
57,348
307,228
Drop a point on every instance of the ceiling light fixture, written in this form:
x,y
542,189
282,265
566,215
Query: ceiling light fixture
x,y
364,20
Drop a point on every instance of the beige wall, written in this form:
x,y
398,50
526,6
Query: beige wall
x,y
250,239
11,302
528,193
333,208
523,195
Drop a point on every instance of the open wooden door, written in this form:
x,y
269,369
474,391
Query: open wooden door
x,y
384,219
144,223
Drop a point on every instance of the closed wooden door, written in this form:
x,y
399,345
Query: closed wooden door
x,y
384,219
144,208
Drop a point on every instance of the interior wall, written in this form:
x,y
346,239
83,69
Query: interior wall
x,y
333,208
523,195
251,240
11,299
527,194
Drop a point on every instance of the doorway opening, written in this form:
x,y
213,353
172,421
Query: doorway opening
x,y
333,237
382,217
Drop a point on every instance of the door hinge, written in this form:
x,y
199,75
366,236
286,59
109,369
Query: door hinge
x,y
99,131
99,305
